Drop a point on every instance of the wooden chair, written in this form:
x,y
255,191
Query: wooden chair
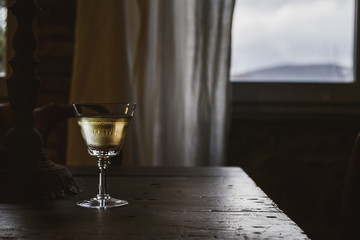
x,y
46,118
349,218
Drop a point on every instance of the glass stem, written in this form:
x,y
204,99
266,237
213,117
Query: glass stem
x,y
103,164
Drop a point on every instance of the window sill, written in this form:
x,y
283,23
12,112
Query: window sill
x,y
296,111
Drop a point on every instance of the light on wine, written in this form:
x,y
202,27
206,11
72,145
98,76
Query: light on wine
x,y
104,136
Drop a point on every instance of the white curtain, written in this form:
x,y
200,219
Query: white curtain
x,y
172,58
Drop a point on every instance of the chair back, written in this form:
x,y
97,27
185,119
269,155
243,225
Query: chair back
x,y
46,119
350,207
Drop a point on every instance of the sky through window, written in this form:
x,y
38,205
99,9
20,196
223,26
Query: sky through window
x,y
293,41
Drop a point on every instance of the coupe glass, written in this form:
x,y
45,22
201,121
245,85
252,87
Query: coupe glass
x,y
103,128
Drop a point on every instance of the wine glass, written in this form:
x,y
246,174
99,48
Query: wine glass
x,y
103,127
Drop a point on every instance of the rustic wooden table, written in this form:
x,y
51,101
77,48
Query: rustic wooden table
x,y
164,203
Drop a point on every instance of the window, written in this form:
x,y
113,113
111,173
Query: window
x,y
3,17
295,51
4,45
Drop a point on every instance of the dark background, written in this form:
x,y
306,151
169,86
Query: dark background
x,y
299,159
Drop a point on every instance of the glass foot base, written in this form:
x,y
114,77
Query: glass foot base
x,y
104,203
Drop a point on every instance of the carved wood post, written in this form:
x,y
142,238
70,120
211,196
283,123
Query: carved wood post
x,y
23,85
25,171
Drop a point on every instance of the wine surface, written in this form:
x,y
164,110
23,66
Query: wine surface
x,y
104,136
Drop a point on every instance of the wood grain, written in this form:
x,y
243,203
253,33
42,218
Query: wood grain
x,y
164,203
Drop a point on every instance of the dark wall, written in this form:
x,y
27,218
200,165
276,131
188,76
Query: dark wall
x,y
55,28
299,161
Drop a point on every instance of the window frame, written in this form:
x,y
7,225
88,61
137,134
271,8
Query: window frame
x,y
303,93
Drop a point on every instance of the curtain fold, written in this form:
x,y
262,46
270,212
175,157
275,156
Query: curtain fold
x,y
172,58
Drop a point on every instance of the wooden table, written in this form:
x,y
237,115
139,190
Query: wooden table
x,y
165,203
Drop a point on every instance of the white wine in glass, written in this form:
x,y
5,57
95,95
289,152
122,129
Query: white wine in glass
x,y
103,128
